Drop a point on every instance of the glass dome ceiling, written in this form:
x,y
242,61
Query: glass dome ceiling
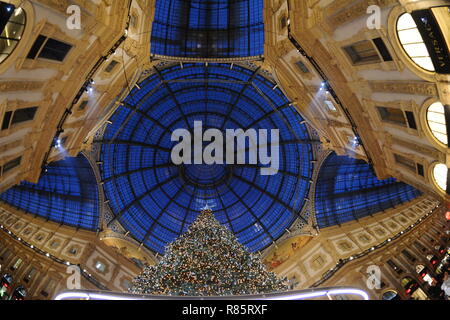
x,y
347,189
157,200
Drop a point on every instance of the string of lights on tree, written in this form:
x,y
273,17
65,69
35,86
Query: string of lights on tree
x,y
207,260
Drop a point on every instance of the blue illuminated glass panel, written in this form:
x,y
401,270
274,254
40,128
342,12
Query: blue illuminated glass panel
x,y
347,189
66,193
208,28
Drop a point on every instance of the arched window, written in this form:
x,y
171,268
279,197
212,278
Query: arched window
x,y
12,25
412,42
436,122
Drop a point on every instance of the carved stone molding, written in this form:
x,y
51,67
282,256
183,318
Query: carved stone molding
x,y
21,85
355,11
408,87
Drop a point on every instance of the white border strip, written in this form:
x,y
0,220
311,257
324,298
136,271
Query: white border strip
x,y
296,295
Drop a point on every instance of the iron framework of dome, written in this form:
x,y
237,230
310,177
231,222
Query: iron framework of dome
x,y
157,200
208,28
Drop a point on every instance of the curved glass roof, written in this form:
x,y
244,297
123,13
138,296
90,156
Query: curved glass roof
x,y
66,193
347,189
208,28
157,200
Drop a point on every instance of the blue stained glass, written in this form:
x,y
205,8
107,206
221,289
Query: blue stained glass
x,y
157,200
347,189
208,28
66,193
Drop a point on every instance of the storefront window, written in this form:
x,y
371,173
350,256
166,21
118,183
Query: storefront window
x,y
19,293
412,289
424,274
5,286
433,259
443,265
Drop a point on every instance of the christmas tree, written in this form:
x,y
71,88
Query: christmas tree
x,y
207,260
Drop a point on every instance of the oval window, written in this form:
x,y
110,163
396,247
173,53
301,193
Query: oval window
x,y
412,42
12,32
436,122
440,172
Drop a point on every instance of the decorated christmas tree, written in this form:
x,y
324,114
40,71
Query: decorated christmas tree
x,y
207,260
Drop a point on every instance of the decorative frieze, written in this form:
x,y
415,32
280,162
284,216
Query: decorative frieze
x,y
416,147
408,87
20,85
353,12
